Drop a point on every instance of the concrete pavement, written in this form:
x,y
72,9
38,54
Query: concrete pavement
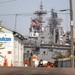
x,y
36,71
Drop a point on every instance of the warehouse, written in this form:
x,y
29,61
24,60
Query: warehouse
x,y
11,47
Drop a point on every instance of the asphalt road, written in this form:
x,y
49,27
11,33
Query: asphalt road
x,y
36,71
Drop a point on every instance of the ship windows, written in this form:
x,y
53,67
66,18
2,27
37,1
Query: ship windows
x,y
42,37
41,31
34,31
30,29
42,42
36,38
44,52
27,51
34,34
48,33
38,28
49,37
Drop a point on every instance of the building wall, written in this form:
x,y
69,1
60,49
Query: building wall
x,y
18,52
6,48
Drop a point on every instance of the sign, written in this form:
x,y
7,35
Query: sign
x,y
4,39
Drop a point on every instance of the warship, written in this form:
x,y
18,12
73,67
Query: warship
x,y
46,41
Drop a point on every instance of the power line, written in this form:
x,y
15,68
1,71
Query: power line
x,y
7,1
20,14
25,14
7,14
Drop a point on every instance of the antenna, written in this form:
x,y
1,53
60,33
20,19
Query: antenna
x,y
41,11
41,6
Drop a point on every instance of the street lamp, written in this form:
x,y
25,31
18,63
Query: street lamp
x,y
15,21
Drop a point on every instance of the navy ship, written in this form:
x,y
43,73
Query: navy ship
x,y
45,41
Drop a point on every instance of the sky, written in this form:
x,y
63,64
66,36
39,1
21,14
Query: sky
x,y
22,22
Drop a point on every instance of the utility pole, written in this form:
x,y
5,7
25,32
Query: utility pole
x,y
71,29
15,21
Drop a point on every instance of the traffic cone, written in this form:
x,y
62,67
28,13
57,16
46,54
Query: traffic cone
x,y
11,63
5,62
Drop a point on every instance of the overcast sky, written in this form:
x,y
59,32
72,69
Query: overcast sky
x,y
29,7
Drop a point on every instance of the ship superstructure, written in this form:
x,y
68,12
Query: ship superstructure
x,y
48,34
36,23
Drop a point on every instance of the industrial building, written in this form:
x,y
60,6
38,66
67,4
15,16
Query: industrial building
x,y
11,47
